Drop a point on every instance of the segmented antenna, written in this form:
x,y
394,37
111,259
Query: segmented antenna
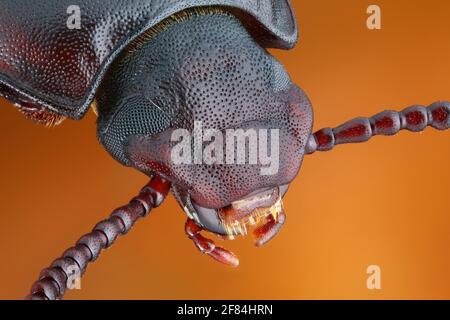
x,y
386,123
54,280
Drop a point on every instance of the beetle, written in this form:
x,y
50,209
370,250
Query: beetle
x,y
151,68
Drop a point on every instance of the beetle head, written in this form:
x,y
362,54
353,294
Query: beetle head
x,y
202,104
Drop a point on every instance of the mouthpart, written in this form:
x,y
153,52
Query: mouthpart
x,y
260,212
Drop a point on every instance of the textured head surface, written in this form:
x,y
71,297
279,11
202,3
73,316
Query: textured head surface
x,y
206,69
45,63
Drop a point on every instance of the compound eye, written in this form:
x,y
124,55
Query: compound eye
x,y
133,117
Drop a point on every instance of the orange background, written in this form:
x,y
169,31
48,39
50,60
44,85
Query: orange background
x,y
385,202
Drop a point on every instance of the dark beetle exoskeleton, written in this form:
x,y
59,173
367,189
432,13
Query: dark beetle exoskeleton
x,y
45,63
154,67
179,87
